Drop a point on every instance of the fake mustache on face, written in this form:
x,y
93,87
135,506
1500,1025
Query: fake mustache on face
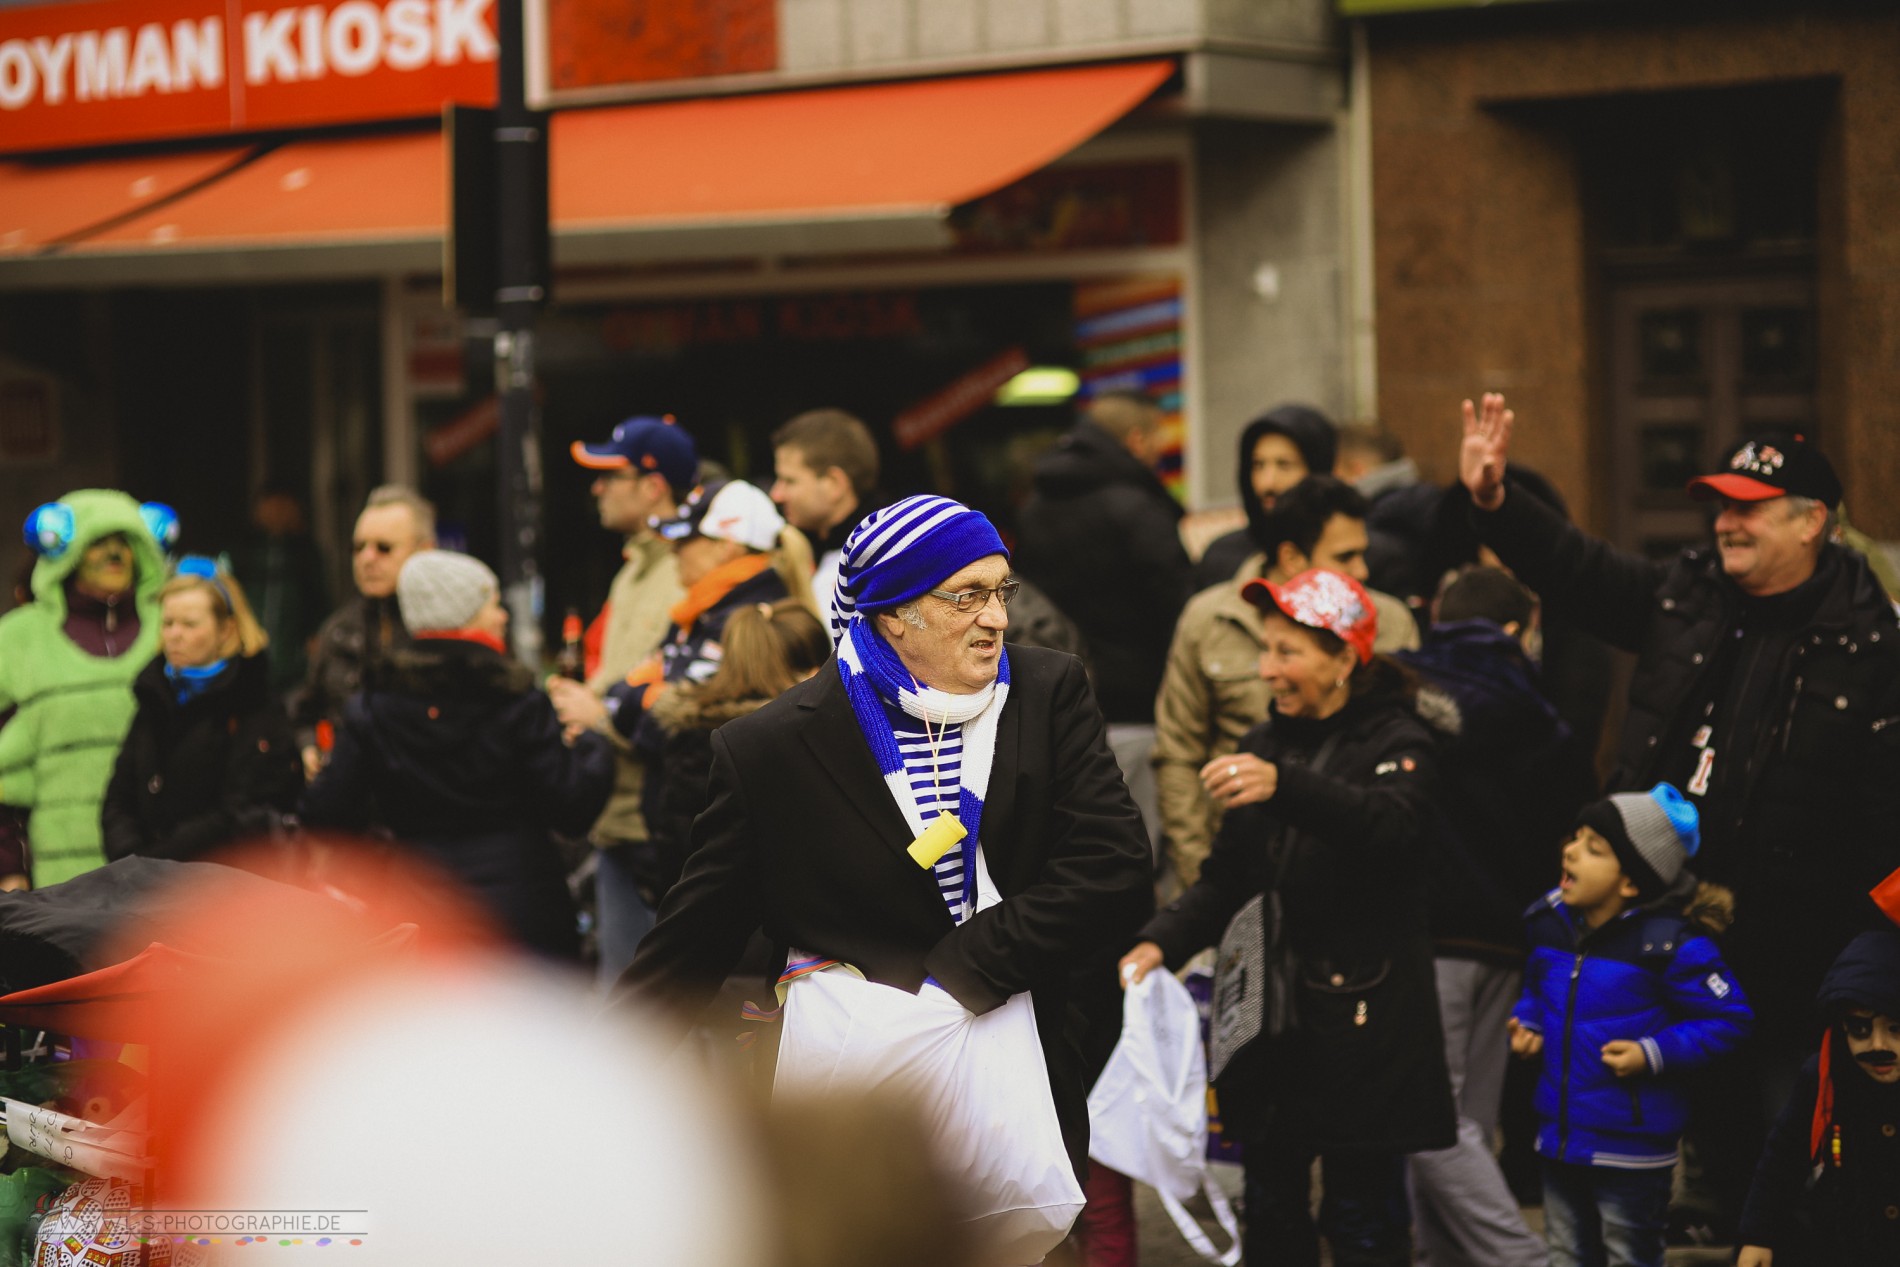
x,y
1877,1057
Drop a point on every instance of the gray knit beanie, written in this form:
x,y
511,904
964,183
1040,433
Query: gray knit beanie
x,y
1654,834
438,589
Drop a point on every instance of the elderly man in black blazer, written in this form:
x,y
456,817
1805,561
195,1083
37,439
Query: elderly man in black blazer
x,y
863,816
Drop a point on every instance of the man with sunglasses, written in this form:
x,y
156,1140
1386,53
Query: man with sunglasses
x,y
934,809
396,522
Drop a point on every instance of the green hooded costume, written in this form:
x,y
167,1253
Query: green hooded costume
x,y
56,753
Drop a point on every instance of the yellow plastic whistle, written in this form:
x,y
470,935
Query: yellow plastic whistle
x,y
938,839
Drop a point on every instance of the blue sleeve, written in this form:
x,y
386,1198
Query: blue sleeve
x,y
1712,1015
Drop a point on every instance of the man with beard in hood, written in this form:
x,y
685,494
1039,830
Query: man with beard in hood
x,y
67,662
1277,450
1828,1187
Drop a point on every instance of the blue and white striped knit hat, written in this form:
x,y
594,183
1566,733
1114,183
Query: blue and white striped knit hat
x,y
905,550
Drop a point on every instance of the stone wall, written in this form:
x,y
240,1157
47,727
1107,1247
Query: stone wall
x,y
817,36
1267,197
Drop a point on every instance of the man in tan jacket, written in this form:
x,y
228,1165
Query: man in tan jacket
x,y
1211,693
646,468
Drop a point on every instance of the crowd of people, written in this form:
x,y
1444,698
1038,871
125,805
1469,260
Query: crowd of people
x,y
1349,752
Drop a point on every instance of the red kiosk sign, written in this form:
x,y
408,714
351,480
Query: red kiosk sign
x,y
112,71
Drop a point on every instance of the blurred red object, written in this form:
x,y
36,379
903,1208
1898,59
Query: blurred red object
x,y
214,977
1886,896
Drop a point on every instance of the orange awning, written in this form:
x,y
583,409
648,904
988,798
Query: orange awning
x,y
44,203
883,152
871,167
355,189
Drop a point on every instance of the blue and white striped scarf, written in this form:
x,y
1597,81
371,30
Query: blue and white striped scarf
x,y
895,555
872,671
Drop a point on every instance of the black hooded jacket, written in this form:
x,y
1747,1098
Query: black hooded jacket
x,y
1837,1205
1100,536
210,771
1513,780
1312,433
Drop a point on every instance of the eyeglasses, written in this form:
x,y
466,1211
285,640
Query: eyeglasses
x,y
971,601
381,547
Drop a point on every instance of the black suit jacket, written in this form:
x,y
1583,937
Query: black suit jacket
x,y
801,837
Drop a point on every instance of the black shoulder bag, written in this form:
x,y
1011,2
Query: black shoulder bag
x,y
1255,970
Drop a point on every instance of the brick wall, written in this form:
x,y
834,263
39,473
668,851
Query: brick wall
x,y
1483,278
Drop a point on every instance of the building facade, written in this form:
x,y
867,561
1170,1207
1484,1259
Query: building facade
x,y
1655,228
759,206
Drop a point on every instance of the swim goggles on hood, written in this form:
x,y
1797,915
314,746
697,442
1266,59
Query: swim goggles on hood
x,y
50,529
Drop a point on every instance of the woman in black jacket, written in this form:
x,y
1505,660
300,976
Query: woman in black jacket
x,y
451,749
1327,804
210,758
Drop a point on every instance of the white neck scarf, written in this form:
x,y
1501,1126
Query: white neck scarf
x,y
870,671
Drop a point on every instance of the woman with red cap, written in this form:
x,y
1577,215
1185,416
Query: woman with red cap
x,y
1326,1040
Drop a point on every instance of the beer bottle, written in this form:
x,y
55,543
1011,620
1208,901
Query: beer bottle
x,y
572,662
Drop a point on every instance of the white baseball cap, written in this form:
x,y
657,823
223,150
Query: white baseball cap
x,y
729,510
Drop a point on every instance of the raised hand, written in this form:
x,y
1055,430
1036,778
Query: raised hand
x,y
1486,448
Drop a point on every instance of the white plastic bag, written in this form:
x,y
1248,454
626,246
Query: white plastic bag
x,y
980,1082
1148,1111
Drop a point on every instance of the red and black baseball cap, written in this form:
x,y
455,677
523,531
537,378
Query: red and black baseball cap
x,y
1774,465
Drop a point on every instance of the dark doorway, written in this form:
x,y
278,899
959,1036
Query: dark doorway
x,y
1703,213
1694,367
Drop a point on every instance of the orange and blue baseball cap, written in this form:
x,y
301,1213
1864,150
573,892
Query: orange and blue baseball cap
x,y
645,443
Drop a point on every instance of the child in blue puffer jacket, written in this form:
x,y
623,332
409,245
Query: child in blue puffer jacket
x,y
1624,995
